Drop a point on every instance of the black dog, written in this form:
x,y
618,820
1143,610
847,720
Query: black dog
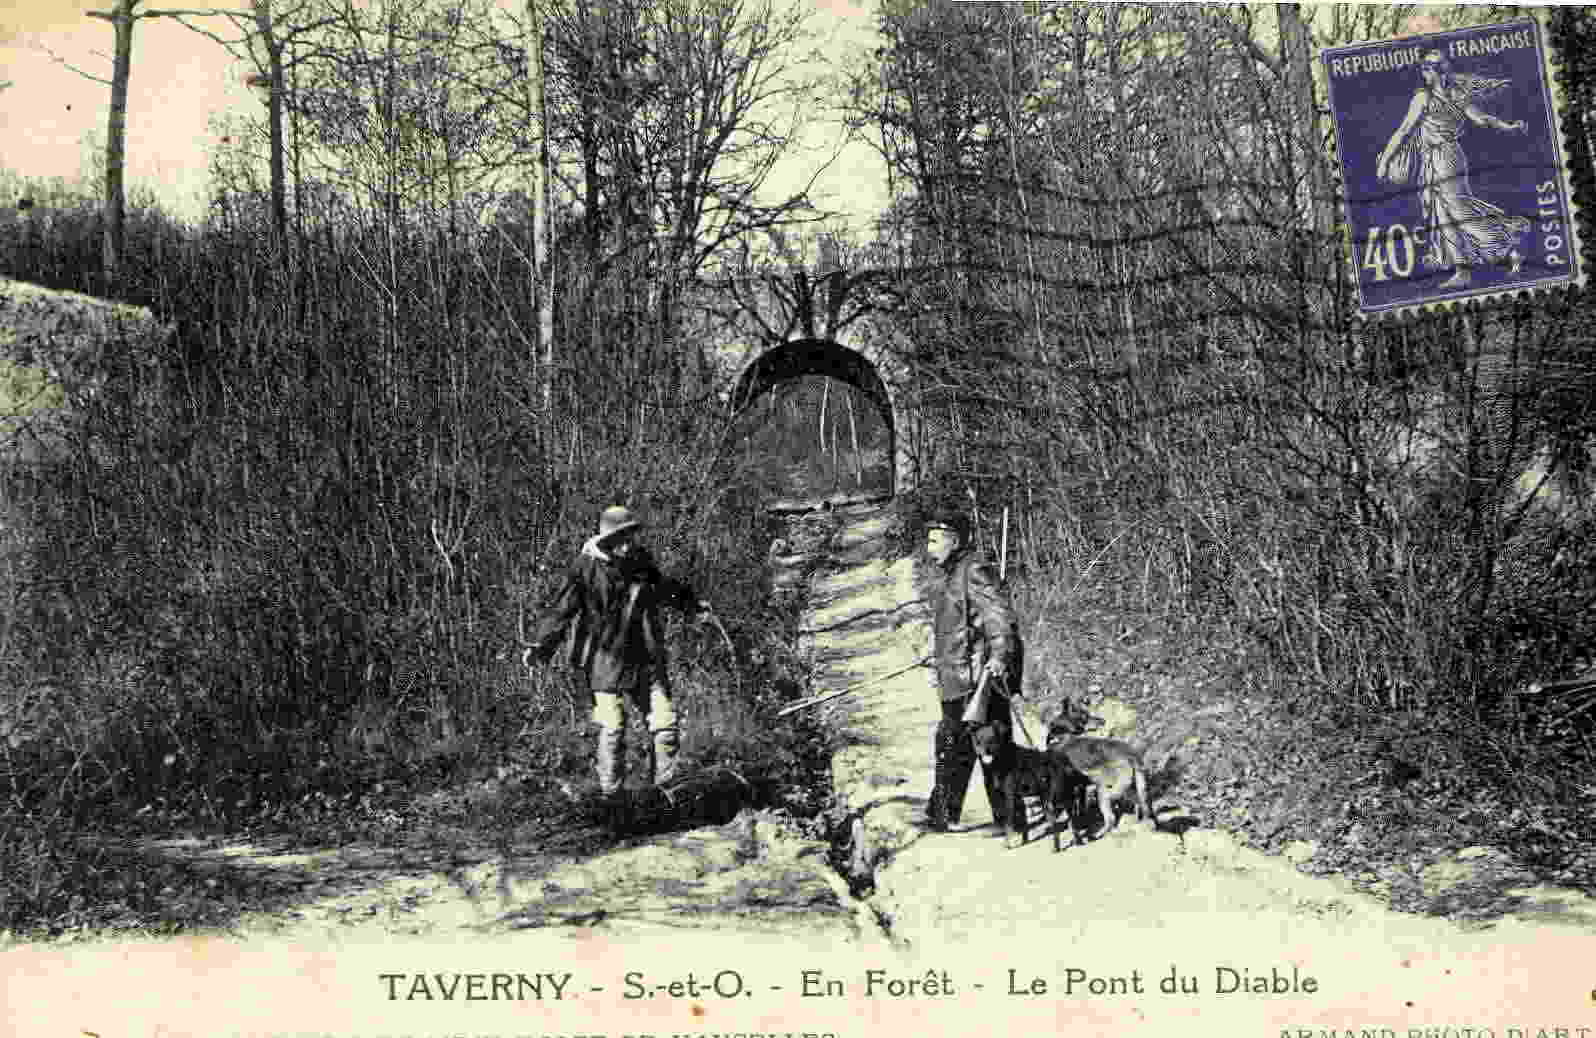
x,y
1018,770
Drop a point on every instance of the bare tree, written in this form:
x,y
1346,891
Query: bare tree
x,y
263,36
423,102
538,112
1296,67
122,19
677,112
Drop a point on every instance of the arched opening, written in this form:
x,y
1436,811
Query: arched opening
x,y
822,417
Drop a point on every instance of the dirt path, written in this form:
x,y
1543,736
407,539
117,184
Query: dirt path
x,y
751,877
1195,896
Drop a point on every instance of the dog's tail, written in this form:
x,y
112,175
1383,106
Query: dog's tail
x,y
1168,742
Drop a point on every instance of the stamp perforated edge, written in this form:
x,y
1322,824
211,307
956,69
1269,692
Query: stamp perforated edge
x,y
1551,64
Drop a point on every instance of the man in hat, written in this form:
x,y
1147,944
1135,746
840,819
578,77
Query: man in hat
x,y
975,635
609,606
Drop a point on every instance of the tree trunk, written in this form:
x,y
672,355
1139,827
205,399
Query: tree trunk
x,y
1296,54
1306,168
858,459
299,156
121,19
825,397
274,110
542,289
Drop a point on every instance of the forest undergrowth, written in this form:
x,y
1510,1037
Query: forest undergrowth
x,y
273,579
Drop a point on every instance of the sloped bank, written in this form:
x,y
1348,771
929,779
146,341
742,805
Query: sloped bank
x,y
65,335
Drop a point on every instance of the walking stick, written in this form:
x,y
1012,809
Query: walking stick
x,y
826,697
715,620
736,667
1003,558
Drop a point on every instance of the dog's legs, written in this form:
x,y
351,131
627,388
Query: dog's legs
x,y
1014,828
1069,811
1105,803
997,784
1061,793
1050,807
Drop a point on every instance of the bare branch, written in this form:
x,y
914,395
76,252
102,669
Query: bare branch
x,y
1242,36
182,18
59,60
211,12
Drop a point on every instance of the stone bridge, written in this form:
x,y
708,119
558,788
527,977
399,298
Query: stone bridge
x,y
823,322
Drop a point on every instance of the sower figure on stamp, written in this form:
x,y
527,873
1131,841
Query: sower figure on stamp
x,y
974,633
1465,231
608,613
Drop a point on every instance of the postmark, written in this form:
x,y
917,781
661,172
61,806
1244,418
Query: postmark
x,y
1452,162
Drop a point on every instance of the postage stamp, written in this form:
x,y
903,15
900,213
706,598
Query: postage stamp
x,y
1452,166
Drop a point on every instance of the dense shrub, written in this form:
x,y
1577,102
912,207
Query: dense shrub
x,y
287,553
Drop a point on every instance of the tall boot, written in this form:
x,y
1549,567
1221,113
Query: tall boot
x,y
667,733
610,760
666,742
953,759
936,807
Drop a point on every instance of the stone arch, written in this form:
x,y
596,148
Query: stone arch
x,y
828,357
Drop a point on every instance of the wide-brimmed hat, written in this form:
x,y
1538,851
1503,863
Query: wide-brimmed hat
x,y
614,520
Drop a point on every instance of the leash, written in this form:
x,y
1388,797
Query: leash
x,y
1015,714
1021,722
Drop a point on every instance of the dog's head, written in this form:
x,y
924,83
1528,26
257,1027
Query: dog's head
x,y
1071,720
1057,736
988,739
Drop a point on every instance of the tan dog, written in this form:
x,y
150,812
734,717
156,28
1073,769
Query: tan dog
x,y
1112,766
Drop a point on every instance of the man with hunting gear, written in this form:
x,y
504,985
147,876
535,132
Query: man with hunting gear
x,y
607,613
979,662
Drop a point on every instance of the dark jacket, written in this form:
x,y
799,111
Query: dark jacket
x,y
973,623
607,612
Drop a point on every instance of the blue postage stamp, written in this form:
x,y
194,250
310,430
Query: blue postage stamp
x,y
1452,166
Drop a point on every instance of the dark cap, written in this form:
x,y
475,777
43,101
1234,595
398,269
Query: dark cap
x,y
952,522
